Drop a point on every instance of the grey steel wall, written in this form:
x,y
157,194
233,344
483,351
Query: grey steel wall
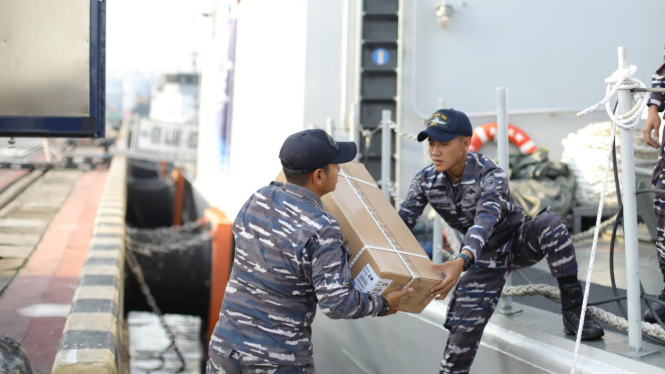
x,y
551,55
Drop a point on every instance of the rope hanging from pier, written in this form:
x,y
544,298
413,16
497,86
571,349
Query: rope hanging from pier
x,y
620,79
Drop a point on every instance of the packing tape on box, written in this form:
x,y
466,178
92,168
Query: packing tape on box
x,y
357,180
399,253
362,250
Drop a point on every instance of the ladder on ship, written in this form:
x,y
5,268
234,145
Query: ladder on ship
x,y
380,47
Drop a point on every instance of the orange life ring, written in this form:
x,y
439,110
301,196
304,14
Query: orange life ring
x,y
516,136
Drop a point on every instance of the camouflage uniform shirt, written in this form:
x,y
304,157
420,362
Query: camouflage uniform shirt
x,y
289,257
479,205
658,176
658,81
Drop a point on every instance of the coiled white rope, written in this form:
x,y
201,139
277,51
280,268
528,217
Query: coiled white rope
x,y
584,151
620,79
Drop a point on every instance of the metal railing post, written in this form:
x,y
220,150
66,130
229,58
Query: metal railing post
x,y
506,306
630,222
386,157
437,240
502,128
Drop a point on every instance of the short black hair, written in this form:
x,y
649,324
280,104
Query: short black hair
x,y
301,179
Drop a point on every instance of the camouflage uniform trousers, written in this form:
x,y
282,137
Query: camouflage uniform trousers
x,y
234,362
658,180
478,291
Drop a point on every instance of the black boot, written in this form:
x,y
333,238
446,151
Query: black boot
x,y
571,309
658,309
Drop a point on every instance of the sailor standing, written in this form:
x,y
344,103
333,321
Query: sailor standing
x,y
289,257
656,104
470,192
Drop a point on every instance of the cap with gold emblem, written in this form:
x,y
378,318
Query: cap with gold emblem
x,y
446,124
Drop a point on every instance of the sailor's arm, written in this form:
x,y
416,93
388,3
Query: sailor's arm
x,y
415,203
488,211
658,81
452,270
656,104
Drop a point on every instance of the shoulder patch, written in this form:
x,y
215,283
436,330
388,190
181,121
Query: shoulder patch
x,y
415,190
489,183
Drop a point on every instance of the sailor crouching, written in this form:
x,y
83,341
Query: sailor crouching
x,y
289,257
470,192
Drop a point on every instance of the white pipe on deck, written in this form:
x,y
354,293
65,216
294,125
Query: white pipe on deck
x,y
630,219
502,140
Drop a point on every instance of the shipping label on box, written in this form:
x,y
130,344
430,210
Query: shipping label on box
x,y
368,281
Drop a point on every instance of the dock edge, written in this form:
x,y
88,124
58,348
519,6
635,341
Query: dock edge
x,y
92,338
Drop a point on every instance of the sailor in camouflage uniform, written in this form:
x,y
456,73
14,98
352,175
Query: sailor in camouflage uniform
x,y
471,193
656,104
289,256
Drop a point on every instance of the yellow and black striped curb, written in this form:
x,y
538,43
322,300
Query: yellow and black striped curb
x,y
91,341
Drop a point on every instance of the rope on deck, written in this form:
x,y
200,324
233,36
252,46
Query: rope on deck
x,y
552,293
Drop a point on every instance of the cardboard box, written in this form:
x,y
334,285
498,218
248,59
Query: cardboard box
x,y
390,256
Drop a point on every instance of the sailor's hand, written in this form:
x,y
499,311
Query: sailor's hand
x,y
393,299
452,270
652,123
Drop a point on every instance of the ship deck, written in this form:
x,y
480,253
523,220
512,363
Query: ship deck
x,y
531,341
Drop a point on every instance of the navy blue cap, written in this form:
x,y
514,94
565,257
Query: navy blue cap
x,y
306,151
445,125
